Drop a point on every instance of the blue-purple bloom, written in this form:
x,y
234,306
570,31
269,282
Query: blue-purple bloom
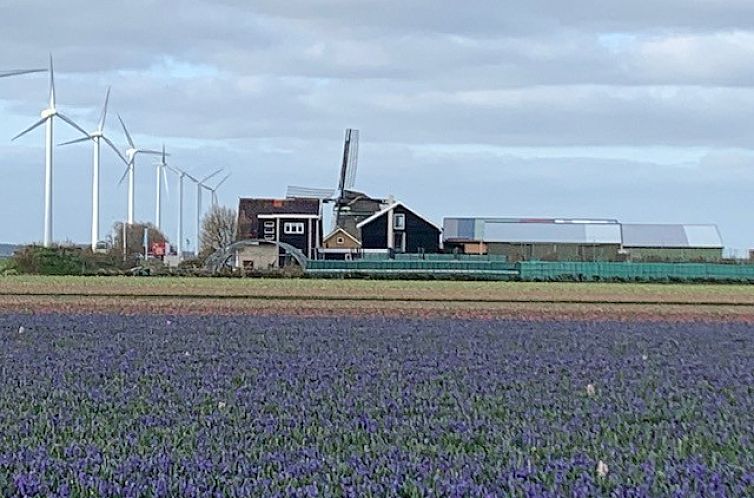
x,y
357,407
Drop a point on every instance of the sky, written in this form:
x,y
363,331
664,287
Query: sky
x,y
640,111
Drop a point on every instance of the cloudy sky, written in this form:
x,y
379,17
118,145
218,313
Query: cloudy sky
x,y
640,111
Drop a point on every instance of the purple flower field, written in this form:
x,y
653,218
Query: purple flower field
x,y
357,407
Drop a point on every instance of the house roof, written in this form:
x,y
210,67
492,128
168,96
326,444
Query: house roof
x,y
390,207
671,236
344,232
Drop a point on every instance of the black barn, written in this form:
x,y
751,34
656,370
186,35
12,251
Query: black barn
x,y
400,229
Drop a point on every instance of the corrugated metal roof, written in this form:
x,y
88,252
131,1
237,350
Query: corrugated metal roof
x,y
580,231
533,230
671,236
551,233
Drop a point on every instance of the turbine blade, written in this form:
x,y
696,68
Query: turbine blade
x,y
151,152
125,131
27,130
77,141
174,170
125,173
165,181
191,178
19,72
73,124
52,85
112,146
103,116
222,181
210,176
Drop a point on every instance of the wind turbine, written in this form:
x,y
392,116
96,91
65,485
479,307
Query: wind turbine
x,y
98,136
199,186
214,190
48,116
131,154
161,176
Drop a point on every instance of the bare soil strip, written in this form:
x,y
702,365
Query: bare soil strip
x,y
346,307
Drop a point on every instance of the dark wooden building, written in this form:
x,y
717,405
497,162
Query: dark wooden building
x,y
293,221
398,228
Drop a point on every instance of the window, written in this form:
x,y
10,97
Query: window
x,y
340,241
399,221
293,228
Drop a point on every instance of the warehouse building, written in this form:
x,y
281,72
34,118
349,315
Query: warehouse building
x,y
654,242
526,239
548,239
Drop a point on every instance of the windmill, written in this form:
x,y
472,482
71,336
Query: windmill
x,y
200,184
131,152
48,116
346,179
213,191
98,136
162,177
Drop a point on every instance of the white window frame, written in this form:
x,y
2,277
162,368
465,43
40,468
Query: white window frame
x,y
402,224
293,228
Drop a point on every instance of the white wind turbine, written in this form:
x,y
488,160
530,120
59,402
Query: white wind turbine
x,y
48,116
199,186
213,190
162,176
131,152
97,137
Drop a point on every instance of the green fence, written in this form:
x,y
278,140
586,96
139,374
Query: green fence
x,y
531,270
438,265
418,265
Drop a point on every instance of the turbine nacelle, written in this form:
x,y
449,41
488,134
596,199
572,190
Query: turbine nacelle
x,y
48,113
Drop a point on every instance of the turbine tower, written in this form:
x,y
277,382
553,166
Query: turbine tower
x,y
48,116
199,186
131,154
181,175
97,137
162,176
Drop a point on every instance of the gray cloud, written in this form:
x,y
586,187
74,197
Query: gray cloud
x,y
267,87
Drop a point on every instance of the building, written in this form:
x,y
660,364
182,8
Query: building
x,y
545,239
399,229
655,242
548,239
293,222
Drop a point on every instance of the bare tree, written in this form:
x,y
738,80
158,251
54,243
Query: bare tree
x,y
218,229
134,239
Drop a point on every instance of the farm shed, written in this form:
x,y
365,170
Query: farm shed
x,y
526,239
400,229
678,243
